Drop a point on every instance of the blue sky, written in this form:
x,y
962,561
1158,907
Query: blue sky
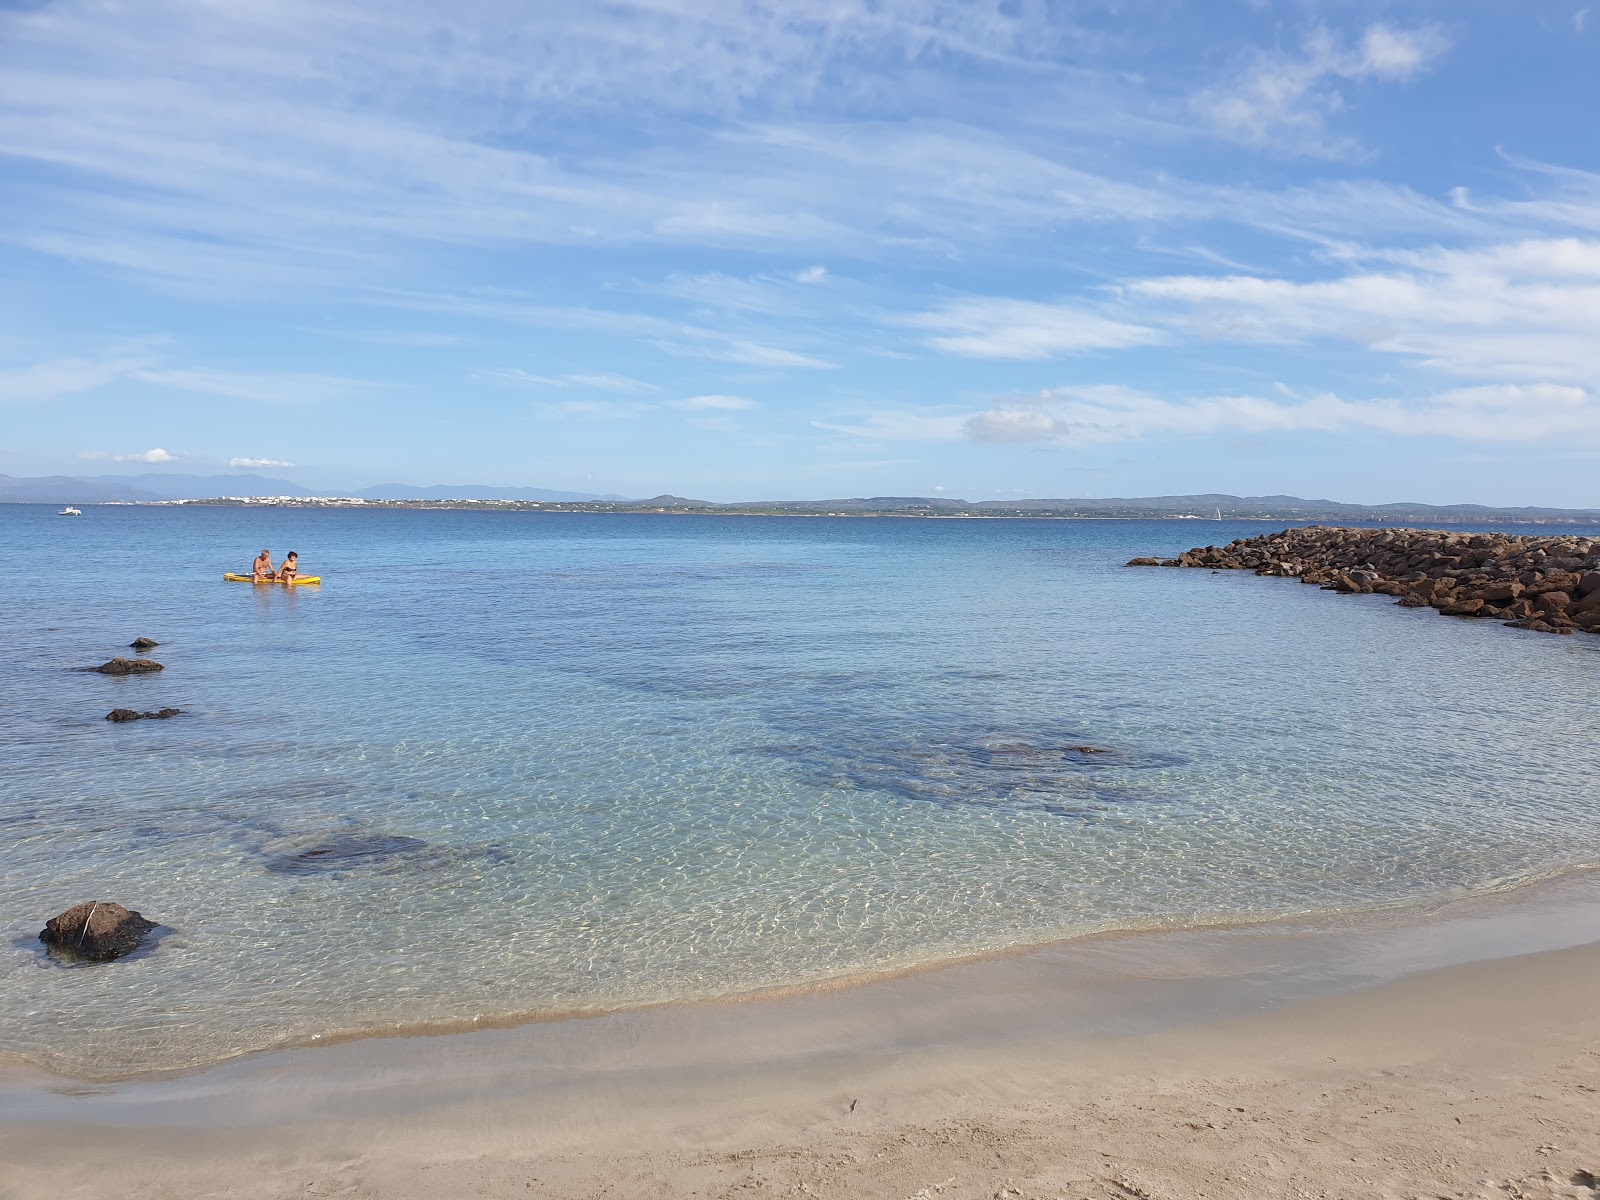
x,y
739,249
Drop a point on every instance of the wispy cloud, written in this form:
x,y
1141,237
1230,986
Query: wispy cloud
x,y
1002,328
1534,414
604,382
282,387
716,403
1286,99
256,464
41,382
1524,312
152,457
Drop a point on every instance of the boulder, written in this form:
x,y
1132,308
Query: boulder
x,y
142,643
1589,584
1508,590
128,714
129,666
1144,562
98,931
1549,602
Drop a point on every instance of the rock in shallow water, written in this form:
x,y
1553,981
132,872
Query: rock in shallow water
x,y
98,931
128,714
142,643
128,666
347,852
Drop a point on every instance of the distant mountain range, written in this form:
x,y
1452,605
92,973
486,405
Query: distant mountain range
x,y
102,489
99,489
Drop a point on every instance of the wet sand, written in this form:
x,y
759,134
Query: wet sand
x,y
1404,1054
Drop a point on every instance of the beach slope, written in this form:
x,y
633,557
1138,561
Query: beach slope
x,y
1480,1080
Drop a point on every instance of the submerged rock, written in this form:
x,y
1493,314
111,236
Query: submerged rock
x,y
142,643
129,666
1040,769
99,931
128,714
343,853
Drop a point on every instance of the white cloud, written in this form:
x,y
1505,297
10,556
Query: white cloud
x,y
1286,99
717,403
1001,328
152,457
252,464
811,275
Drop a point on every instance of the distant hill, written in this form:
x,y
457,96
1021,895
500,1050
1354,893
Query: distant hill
x,y
152,486
1209,504
475,491
101,489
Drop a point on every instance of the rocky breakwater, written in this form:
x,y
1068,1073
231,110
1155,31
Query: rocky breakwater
x,y
1548,584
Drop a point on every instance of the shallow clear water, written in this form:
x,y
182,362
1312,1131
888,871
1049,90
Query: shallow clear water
x,y
512,764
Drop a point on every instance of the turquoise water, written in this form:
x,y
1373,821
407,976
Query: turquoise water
x,y
507,765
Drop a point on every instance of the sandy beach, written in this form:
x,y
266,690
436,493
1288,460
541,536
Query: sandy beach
x,y
1258,1061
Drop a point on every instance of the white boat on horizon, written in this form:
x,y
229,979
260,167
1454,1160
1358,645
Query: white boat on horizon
x,y
69,511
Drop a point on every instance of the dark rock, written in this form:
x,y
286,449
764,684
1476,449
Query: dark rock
x,y
128,714
343,853
1508,590
1144,562
1549,602
1589,584
98,931
129,666
1463,608
142,643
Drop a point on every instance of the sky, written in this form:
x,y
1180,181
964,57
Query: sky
x,y
740,249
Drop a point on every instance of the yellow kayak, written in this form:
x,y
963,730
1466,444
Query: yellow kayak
x,y
297,581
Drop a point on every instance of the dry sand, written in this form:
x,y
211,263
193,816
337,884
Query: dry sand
x,y
1479,1079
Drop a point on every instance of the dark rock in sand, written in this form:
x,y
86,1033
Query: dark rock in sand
x,y
142,643
129,666
128,714
98,931
347,852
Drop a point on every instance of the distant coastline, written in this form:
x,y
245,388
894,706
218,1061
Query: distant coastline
x,y
1290,510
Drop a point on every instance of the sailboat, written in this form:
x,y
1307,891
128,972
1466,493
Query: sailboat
x,y
69,511
1219,514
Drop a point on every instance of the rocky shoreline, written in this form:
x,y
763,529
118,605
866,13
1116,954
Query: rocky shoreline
x,y
1547,584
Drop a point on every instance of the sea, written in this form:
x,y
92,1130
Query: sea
x,y
504,766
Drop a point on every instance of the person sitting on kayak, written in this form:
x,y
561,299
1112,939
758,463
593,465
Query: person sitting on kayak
x,y
290,568
261,570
